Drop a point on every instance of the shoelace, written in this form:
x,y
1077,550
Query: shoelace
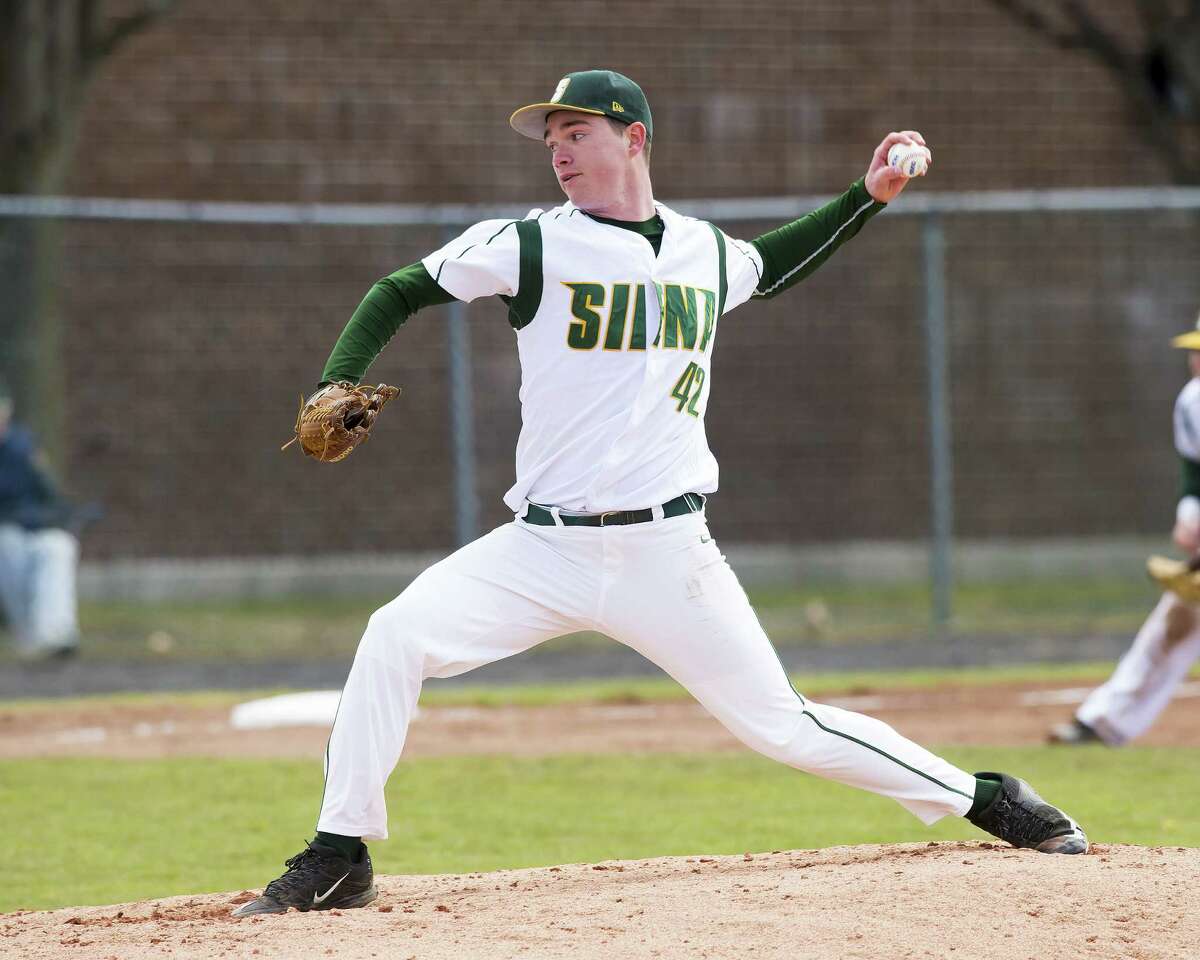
x,y
299,869
1024,823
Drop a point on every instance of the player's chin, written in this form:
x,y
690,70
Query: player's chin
x,y
574,191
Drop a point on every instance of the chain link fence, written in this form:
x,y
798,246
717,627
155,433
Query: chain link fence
x,y
988,372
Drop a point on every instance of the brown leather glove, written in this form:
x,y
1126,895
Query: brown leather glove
x,y
337,418
1181,578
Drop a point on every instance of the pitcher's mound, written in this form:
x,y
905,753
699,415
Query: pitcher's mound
x,y
961,900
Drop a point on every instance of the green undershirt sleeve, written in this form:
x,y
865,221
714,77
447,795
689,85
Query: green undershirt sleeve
x,y
796,249
383,310
1189,478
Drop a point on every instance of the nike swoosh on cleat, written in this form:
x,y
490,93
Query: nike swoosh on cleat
x,y
325,895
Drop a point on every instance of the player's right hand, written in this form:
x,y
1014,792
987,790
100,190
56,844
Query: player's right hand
x,y
882,182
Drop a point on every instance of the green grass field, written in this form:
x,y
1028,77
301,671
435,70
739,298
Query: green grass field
x,y
626,690
106,831
818,615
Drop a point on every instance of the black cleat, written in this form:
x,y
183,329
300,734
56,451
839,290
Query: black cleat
x,y
1073,734
317,878
1020,817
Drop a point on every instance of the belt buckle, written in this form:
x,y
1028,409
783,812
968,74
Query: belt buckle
x,y
609,513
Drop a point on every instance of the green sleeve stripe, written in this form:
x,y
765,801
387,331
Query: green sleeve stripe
x,y
724,276
821,249
1189,478
845,736
438,276
472,247
886,755
792,252
524,306
500,231
740,247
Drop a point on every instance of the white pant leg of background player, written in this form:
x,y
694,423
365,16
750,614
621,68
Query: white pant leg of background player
x,y
496,597
1147,675
53,609
672,597
37,586
14,580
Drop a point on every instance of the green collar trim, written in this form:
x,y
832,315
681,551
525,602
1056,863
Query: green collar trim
x,y
646,228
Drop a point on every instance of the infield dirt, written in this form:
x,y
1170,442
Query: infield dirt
x,y
949,899
1000,714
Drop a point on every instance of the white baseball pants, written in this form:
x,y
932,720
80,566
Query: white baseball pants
x,y
661,587
37,587
1140,688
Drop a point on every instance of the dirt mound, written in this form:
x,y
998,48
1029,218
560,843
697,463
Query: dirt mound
x,y
963,900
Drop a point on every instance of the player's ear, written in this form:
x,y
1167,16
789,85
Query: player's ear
x,y
635,135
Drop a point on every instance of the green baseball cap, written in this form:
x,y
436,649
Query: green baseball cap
x,y
604,93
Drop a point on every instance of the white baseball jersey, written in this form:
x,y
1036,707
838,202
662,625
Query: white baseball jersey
x,y
1187,420
612,397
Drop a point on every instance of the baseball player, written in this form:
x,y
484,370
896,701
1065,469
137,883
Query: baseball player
x,y
1127,704
615,301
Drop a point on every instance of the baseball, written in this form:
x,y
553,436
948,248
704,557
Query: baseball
x,y
909,159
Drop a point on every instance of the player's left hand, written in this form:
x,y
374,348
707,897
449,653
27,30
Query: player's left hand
x,y
1176,577
1186,536
883,183
337,418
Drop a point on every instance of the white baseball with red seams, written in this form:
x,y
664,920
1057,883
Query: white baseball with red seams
x,y
910,159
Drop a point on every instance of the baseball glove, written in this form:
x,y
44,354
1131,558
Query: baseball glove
x,y
337,418
1181,578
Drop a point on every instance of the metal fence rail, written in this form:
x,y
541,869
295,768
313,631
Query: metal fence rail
x,y
916,203
934,211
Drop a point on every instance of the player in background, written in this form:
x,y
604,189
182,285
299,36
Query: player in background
x,y
1141,686
39,550
616,301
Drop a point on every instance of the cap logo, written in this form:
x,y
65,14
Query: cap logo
x,y
560,89
617,108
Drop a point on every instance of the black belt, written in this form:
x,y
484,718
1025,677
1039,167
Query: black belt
x,y
684,503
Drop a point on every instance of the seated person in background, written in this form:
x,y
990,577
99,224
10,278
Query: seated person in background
x,y
38,553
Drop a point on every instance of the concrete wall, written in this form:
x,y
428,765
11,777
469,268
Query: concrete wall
x,y
756,566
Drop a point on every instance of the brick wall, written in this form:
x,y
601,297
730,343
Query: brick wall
x,y
1062,387
375,101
